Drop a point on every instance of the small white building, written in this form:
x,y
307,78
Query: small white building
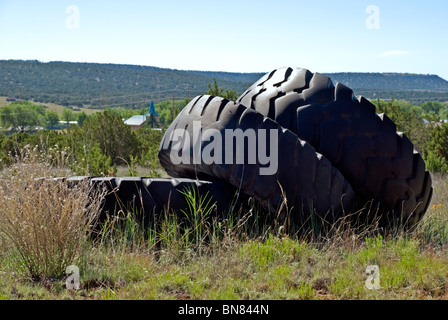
x,y
136,121
139,120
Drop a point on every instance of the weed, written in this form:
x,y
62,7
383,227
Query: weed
x,y
42,224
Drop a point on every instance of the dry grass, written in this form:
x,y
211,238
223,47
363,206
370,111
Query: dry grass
x,y
44,222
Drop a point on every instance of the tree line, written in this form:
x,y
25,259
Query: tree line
x,y
94,148
95,145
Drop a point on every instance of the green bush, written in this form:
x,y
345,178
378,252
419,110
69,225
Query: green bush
x,y
436,151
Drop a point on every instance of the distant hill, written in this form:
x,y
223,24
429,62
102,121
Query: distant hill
x,y
390,81
100,85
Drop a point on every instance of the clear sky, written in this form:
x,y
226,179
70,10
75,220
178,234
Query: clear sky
x,y
238,36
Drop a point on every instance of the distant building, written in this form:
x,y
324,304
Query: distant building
x,y
138,121
67,123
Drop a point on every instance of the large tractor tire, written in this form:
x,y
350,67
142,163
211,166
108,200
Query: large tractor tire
x,y
305,181
380,163
148,198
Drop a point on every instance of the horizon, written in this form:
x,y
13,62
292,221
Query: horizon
x,y
233,36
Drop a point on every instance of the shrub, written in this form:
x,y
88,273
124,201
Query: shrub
x,y
436,152
44,222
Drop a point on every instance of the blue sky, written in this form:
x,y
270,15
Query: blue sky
x,y
238,36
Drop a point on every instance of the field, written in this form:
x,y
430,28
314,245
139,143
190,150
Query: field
x,y
237,258
52,107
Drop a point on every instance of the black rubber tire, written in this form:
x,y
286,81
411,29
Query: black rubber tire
x,y
309,181
379,162
149,197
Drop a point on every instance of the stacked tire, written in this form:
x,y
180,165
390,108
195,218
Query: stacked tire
x,y
149,198
336,155
305,180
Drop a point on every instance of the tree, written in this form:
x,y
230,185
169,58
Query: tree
x,y
149,141
81,117
151,122
22,116
434,106
68,115
86,156
215,90
113,136
436,152
51,119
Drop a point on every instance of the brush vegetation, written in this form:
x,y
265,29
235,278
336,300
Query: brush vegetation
x,y
191,255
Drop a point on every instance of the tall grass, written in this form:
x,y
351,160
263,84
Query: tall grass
x,y
44,222
434,225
